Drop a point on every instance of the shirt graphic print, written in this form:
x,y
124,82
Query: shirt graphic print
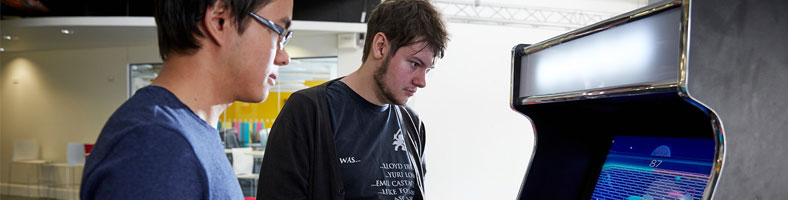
x,y
399,141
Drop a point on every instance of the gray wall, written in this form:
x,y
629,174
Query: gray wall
x,y
739,67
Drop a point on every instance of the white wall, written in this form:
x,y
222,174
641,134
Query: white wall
x,y
325,44
349,60
477,147
608,6
481,150
312,45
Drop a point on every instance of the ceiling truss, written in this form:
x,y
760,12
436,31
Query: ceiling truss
x,y
478,13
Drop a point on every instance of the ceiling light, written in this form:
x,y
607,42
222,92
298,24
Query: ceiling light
x,y
66,31
7,37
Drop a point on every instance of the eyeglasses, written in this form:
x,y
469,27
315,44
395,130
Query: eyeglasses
x,y
283,32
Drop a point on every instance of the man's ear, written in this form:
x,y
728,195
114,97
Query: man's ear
x,y
216,22
380,46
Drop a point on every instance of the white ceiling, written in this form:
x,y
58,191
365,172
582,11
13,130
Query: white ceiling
x,y
45,33
616,6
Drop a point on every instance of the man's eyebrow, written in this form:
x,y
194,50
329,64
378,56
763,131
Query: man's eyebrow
x,y
421,62
286,21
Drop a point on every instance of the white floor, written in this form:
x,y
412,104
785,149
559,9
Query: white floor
x,y
21,191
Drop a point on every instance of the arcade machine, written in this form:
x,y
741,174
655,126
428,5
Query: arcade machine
x,y
611,112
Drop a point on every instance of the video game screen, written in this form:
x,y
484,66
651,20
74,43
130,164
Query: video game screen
x,y
652,168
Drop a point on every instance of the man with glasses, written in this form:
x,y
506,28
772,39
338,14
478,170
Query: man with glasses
x,y
354,138
162,143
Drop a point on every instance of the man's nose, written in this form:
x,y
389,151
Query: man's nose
x,y
282,58
421,79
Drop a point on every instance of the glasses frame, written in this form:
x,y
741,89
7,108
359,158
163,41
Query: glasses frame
x,y
286,34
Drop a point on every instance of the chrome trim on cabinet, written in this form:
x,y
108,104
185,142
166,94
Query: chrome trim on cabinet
x,y
719,157
601,26
517,53
598,93
684,47
716,123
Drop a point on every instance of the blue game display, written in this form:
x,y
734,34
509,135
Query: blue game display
x,y
650,168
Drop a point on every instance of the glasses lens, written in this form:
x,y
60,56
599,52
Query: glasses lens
x,y
284,40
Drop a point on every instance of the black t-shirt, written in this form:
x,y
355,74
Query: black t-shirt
x,y
370,146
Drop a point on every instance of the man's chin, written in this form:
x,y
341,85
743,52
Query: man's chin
x,y
255,98
402,102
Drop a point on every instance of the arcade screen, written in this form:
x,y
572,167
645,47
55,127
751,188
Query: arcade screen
x,y
651,168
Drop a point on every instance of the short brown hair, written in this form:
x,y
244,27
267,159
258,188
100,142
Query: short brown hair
x,y
177,21
402,21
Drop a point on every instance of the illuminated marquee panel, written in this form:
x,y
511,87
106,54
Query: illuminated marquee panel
x,y
642,52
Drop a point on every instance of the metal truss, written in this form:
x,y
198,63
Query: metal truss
x,y
513,15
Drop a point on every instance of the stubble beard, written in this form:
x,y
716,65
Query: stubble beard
x,y
380,80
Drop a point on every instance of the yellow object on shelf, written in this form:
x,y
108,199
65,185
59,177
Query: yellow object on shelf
x,y
265,112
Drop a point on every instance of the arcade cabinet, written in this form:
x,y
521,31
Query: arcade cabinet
x,y
611,113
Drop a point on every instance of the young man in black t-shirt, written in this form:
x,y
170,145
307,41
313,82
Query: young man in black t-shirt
x,y
354,138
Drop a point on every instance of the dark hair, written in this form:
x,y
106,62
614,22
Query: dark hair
x,y
402,21
177,21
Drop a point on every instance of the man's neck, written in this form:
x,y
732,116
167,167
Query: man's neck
x,y
193,82
362,81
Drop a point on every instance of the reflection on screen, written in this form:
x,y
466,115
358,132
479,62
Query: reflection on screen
x,y
651,168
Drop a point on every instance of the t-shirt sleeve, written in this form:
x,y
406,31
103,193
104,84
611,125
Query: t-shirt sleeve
x,y
284,172
149,162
